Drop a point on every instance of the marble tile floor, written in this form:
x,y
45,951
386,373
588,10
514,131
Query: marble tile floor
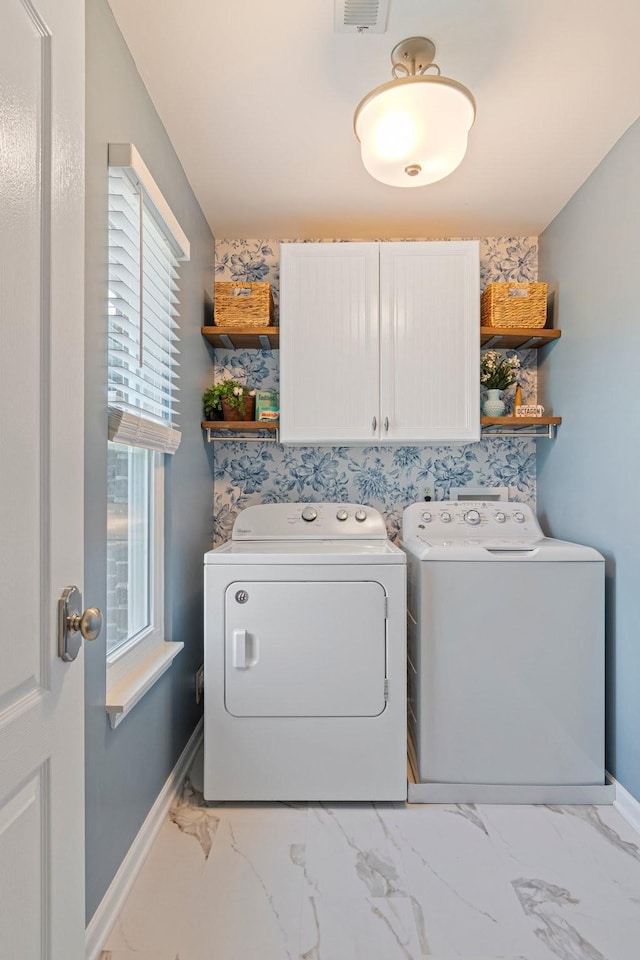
x,y
252,881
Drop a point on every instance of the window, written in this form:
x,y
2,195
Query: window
x,y
131,564
146,246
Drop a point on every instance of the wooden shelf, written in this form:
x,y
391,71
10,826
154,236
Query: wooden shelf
x,y
241,428
517,338
533,427
520,421
248,426
268,338
248,338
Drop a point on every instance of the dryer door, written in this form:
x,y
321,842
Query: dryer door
x,y
305,649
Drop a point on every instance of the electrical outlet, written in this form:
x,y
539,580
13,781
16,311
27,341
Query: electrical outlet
x,y
199,684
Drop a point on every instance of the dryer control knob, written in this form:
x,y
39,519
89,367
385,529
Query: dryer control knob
x,y
342,515
361,515
309,514
500,518
426,517
472,517
445,517
518,517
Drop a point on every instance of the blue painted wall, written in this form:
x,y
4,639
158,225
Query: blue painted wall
x,y
587,478
126,768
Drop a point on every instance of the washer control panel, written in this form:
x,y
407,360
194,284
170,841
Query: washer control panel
x,y
476,522
309,521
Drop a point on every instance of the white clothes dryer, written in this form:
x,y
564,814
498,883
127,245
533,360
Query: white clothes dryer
x,y
305,657
506,658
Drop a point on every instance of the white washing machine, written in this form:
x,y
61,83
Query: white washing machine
x,y
305,657
506,658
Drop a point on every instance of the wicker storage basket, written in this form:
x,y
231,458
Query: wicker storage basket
x,y
514,305
243,305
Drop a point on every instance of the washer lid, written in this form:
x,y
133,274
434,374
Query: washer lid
x,y
306,551
510,550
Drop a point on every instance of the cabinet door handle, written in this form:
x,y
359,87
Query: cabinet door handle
x,y
374,424
386,424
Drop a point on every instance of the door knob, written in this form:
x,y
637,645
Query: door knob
x,y
89,623
74,623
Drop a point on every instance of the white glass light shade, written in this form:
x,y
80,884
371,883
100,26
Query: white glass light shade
x,y
413,131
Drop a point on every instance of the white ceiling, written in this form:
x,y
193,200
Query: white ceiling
x,y
258,99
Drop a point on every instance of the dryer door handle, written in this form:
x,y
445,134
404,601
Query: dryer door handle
x,y
244,649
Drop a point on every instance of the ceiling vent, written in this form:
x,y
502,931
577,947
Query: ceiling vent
x,y
360,16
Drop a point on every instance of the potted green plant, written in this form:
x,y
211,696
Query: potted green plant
x,y
497,372
229,400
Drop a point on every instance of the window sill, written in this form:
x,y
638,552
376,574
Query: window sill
x,y
130,688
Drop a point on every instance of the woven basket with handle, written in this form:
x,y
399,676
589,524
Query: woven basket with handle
x,y
514,305
243,304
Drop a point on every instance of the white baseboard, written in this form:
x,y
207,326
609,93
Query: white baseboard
x,y
626,804
111,904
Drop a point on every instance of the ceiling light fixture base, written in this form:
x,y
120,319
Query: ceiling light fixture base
x,y
412,56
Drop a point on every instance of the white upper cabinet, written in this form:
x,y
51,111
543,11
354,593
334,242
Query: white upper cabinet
x,y
379,342
329,342
430,340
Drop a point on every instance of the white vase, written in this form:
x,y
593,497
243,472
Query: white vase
x,y
493,406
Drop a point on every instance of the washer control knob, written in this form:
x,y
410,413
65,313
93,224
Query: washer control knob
x,y
445,517
309,514
342,514
426,517
472,517
518,517
500,518
361,515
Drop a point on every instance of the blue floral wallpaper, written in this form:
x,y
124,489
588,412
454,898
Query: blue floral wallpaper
x,y
386,477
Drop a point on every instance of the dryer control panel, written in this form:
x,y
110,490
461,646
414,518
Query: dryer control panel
x,y
475,522
309,521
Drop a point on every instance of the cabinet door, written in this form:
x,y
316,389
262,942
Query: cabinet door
x,y
329,342
429,340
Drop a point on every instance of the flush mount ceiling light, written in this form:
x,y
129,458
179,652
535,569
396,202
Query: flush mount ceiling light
x,y
413,130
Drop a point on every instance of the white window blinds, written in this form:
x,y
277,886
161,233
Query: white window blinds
x,y
145,247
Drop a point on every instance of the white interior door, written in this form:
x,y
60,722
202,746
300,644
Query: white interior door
x,y
305,649
41,475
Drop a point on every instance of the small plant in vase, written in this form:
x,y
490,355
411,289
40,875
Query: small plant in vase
x,y
497,372
229,400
